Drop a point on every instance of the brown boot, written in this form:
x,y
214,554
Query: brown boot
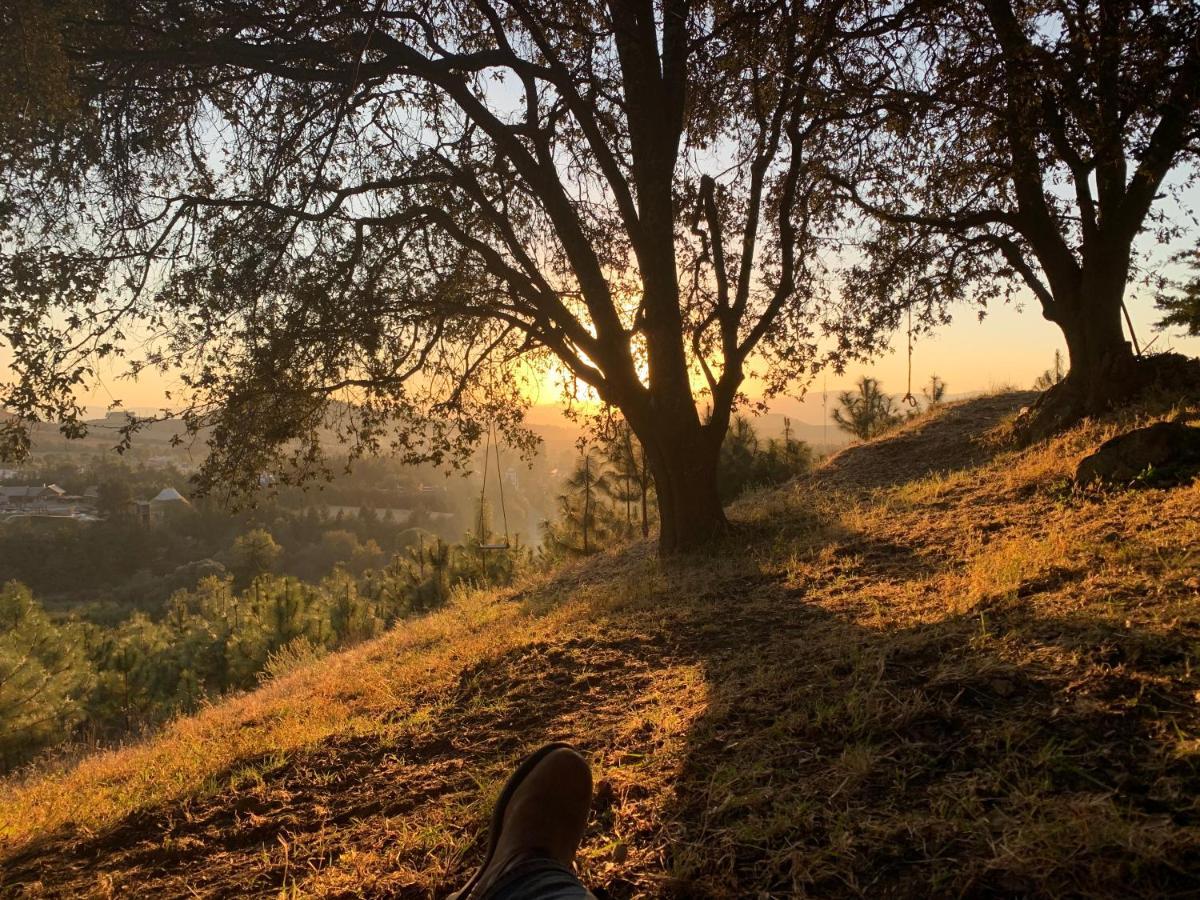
x,y
542,812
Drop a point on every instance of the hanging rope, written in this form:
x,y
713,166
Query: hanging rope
x,y
487,449
500,483
908,397
487,446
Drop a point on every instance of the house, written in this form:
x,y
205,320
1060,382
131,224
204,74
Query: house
x,y
166,502
42,501
30,496
169,497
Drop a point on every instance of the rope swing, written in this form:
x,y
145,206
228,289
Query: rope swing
x,y
908,397
492,441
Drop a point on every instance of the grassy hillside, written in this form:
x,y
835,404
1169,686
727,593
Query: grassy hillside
x,y
935,669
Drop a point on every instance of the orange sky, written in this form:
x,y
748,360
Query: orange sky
x,y
1010,346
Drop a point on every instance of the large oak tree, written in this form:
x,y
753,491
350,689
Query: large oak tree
x,y
365,216
1026,144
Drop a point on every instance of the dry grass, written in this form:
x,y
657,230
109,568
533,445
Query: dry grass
x,y
954,675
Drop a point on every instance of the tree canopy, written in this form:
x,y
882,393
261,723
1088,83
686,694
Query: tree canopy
x,y
374,220
867,411
1013,146
1181,301
384,223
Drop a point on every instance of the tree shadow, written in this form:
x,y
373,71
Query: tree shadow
x,y
960,436
749,740
992,753
272,821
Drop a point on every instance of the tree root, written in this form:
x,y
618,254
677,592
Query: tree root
x,y
1163,376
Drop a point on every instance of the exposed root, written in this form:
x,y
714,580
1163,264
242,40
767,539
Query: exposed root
x,y
1168,377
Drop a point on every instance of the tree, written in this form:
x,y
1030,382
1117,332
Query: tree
x,y
619,455
34,69
934,392
136,679
334,547
429,579
1052,376
634,481
746,464
43,676
581,507
867,413
114,498
256,553
1025,145
1182,305
738,457
358,217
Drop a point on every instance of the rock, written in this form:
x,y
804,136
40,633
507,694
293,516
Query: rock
x,y
1168,451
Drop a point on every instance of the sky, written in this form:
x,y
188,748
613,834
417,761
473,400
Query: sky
x,y
1010,346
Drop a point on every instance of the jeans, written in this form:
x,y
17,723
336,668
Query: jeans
x,y
538,879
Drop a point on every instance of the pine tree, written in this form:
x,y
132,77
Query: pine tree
x,y
934,392
746,463
137,679
868,412
620,456
1052,376
738,456
581,505
254,553
44,675
631,482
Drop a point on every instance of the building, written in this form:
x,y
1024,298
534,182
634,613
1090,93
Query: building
x,y
169,497
166,502
31,497
43,501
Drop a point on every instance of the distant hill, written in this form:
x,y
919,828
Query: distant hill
x,y
823,439
152,439
549,422
558,433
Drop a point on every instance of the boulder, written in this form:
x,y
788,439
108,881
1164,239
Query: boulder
x,y
1167,452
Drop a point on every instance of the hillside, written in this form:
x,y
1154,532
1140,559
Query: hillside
x,y
934,669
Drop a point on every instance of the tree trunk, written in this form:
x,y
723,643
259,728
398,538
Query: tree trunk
x,y
628,507
1102,361
684,462
1103,370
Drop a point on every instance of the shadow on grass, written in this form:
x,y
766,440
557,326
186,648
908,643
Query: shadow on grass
x,y
957,438
837,760
750,741
415,801
1013,749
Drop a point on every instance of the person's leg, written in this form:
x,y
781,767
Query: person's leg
x,y
537,826
540,878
